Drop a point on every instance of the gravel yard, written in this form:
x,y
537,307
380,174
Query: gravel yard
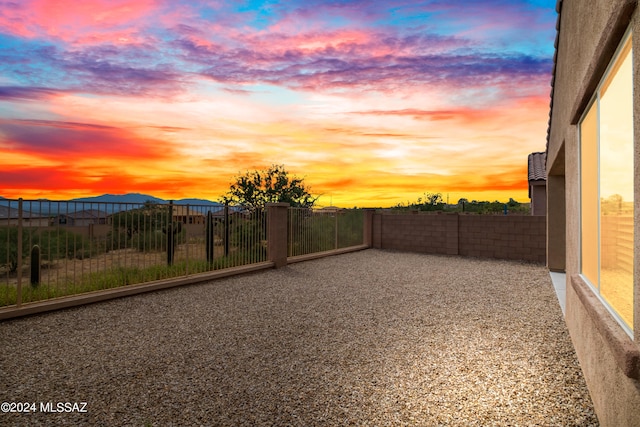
x,y
371,338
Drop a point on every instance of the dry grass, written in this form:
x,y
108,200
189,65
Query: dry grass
x,y
68,270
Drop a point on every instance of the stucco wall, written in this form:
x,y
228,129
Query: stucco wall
x,y
590,32
539,198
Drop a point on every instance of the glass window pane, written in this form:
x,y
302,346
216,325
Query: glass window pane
x,y
616,187
589,194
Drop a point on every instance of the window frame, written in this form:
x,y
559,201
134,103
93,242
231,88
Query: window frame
x,y
594,101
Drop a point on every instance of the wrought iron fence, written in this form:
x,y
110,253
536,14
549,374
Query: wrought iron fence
x,y
311,231
51,249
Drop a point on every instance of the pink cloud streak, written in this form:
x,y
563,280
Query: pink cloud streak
x,y
78,22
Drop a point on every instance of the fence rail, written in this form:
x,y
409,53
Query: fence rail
x,y
312,231
51,249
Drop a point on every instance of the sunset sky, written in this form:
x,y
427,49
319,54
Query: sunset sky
x,y
372,102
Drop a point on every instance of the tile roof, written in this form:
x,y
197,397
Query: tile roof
x,y
12,213
87,214
537,171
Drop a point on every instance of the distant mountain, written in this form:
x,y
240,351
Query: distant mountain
x,y
200,202
110,203
138,198
119,198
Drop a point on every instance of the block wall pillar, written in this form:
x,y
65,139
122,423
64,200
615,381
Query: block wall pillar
x,y
277,216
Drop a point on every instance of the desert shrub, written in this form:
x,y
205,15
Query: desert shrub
x,y
350,228
9,247
60,243
117,239
247,232
54,244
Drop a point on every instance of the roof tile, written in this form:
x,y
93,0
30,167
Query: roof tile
x,y
537,162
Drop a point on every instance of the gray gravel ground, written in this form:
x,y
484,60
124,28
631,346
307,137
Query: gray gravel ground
x,y
371,338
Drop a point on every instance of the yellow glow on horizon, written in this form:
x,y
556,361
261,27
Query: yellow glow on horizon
x,y
358,150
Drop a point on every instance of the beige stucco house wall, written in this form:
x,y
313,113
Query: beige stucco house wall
x,y
590,36
537,183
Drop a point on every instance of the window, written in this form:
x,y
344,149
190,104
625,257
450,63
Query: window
x,y
606,182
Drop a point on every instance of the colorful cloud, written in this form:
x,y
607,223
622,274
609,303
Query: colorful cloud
x,y
373,103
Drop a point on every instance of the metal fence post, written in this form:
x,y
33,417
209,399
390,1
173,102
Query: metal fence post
x,y
335,246
226,229
210,237
19,255
170,239
186,239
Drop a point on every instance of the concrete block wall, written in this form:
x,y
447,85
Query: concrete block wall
x,y
503,237
432,234
483,236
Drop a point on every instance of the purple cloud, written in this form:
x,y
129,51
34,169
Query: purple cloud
x,y
26,93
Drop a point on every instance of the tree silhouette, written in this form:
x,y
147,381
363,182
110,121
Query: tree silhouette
x,y
254,189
